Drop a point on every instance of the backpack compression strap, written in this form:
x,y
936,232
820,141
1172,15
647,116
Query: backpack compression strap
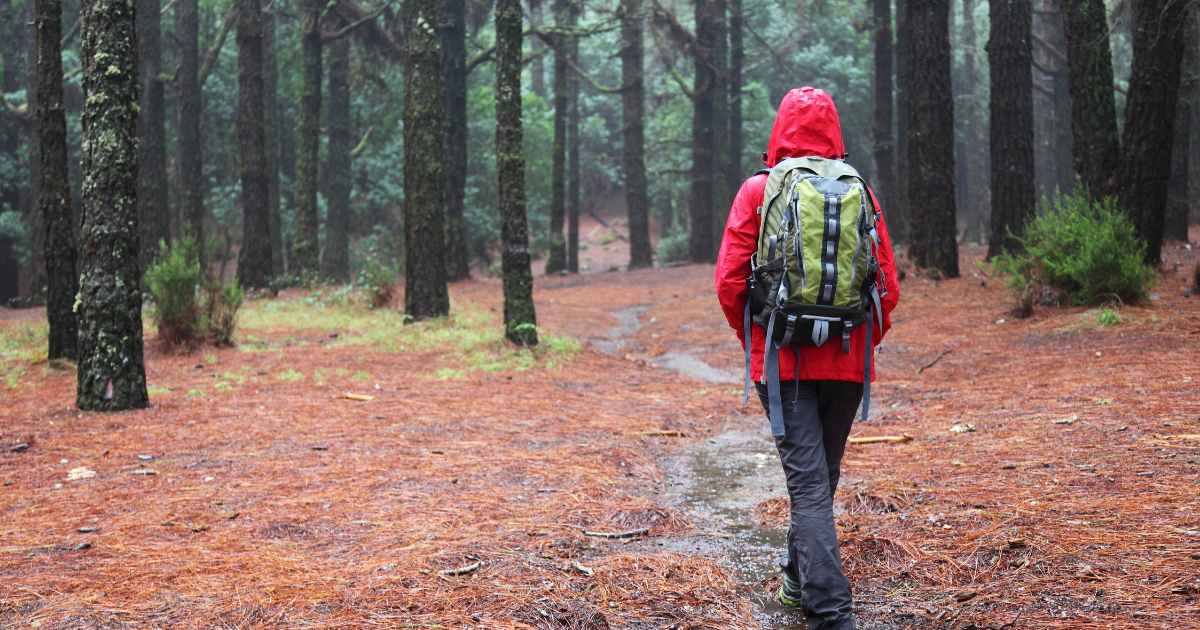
x,y
746,343
771,367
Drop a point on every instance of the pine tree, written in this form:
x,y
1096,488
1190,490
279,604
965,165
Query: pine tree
x,y
254,256
1011,107
306,251
338,173
633,120
154,211
520,319
452,34
111,375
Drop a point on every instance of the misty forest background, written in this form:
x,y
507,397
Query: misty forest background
x,y
309,141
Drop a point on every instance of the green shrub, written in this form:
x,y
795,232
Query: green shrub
x,y
173,280
672,249
378,281
221,304
1079,251
1108,317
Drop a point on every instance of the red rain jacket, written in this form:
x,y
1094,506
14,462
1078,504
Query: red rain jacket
x,y
807,124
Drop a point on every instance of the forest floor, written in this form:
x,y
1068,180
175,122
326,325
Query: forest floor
x,y
340,469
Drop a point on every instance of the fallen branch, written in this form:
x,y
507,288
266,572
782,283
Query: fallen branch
x,y
661,433
881,439
935,360
463,570
633,533
359,397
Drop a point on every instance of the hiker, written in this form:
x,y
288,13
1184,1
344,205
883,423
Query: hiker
x,y
825,300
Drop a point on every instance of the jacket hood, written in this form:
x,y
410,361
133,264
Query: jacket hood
x,y
807,124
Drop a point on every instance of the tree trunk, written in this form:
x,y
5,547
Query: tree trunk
x,y
700,235
54,198
254,257
153,208
12,77
271,122
737,66
453,33
931,139
306,250
556,259
898,218
633,119
574,198
335,258
976,144
425,293
110,375
1093,107
885,148
520,319
189,159
32,208
537,66
1176,224
1194,126
1011,107
1150,117
719,144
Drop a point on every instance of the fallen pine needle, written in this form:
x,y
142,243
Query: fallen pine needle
x,y
1182,436
361,397
463,570
627,534
881,439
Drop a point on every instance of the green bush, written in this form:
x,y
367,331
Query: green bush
x,y
378,281
173,280
672,249
1080,251
221,304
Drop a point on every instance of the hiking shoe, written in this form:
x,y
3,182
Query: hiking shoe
x,y
791,594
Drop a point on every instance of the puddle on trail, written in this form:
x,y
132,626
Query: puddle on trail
x,y
718,482
619,339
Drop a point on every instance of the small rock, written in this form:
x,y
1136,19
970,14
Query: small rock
x,y
20,448
144,472
146,458
959,427
88,530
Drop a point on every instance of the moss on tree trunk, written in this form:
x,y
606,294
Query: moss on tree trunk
x,y
54,199
425,292
111,375
520,319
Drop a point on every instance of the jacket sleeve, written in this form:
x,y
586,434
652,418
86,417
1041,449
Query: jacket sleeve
x,y
890,296
737,246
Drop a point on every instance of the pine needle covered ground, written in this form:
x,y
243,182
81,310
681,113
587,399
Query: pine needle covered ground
x,y
341,469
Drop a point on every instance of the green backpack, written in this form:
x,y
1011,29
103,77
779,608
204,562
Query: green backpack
x,y
813,276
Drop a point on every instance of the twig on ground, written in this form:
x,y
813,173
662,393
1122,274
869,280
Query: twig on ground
x,y
881,439
463,570
633,533
935,360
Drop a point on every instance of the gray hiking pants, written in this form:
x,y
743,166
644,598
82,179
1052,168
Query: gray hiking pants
x,y
817,418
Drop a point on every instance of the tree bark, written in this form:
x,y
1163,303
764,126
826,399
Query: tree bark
x,y
307,247
737,66
254,257
931,139
520,319
189,147
54,198
1150,117
574,197
453,33
111,375
1093,106
700,235
898,217
537,66
335,258
1194,126
1011,107
425,294
973,168
271,131
556,259
885,147
153,208
12,79
1179,201
722,197
633,118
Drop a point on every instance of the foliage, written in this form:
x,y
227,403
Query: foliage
x,y
221,305
1108,317
187,308
672,248
172,281
1080,251
13,228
